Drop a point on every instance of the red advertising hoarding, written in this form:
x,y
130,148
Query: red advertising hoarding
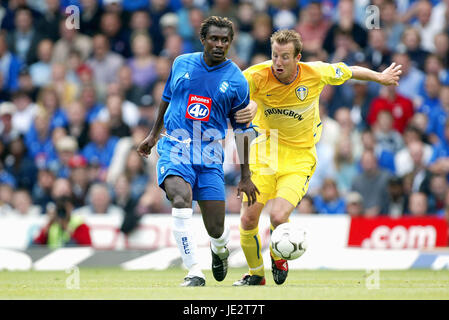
x,y
400,233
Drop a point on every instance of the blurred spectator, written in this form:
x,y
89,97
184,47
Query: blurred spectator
x,y
444,213
306,206
246,12
7,131
140,22
70,40
130,112
6,195
390,23
49,101
386,137
354,204
372,185
63,228
20,165
6,177
414,156
400,107
347,128
123,198
262,29
430,94
66,148
10,66
284,13
90,17
427,27
66,90
23,40
41,70
193,44
224,8
90,102
169,24
439,161
397,202
385,158
48,24
117,125
411,40
99,201
127,145
22,205
41,193
158,8
23,117
312,26
153,200
104,63
346,50
78,126
26,84
329,200
345,165
377,53
435,65
411,79
131,92
79,178
135,171
418,204
435,187
438,117
111,27
143,62
442,48
174,46
101,148
345,25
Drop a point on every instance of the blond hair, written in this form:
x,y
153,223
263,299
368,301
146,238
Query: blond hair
x,y
285,36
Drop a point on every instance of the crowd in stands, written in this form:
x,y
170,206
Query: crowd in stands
x,y
75,102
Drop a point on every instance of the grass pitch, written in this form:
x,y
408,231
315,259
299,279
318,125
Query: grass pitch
x,y
114,283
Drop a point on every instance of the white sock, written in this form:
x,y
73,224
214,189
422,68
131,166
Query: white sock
x,y
218,244
185,240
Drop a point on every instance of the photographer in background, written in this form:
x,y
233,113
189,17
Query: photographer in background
x,y
63,229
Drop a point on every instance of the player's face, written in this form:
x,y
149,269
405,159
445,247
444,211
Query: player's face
x,y
216,45
284,61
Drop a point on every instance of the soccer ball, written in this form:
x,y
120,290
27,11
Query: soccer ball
x,y
288,241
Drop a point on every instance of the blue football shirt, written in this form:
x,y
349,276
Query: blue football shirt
x,y
201,99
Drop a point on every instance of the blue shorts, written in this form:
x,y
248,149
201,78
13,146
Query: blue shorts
x,y
207,181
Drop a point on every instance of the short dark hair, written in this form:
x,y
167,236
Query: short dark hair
x,y
219,22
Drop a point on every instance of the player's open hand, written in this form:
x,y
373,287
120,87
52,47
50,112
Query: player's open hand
x,y
390,76
144,148
247,186
247,114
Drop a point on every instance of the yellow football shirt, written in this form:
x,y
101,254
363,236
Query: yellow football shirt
x,y
292,109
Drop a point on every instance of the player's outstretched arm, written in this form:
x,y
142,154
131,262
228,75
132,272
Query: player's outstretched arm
x,y
247,114
390,76
144,148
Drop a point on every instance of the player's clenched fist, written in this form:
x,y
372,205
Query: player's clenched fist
x,y
144,148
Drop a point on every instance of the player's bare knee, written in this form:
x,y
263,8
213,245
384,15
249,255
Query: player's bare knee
x,y
277,218
180,201
215,230
248,221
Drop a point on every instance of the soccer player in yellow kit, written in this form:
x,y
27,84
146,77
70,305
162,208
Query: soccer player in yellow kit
x,y
283,156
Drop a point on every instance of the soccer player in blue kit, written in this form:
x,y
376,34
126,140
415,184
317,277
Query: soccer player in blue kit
x,y
203,90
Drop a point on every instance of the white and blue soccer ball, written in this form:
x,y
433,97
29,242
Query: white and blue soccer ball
x,y
288,241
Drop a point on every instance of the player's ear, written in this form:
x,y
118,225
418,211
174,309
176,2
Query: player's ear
x,y
298,57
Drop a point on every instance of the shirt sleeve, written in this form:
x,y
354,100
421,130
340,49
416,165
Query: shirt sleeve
x,y
240,101
166,95
335,73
